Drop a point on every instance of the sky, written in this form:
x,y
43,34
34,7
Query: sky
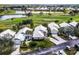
x,y
39,1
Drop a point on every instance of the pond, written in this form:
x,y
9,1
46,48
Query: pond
x,y
4,17
18,14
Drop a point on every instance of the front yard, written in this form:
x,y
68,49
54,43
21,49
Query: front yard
x,y
35,45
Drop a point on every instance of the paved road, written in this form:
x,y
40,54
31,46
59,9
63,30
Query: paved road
x,y
70,43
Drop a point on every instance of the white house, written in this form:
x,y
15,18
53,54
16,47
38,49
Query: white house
x,y
53,27
41,28
21,35
40,32
23,30
38,35
74,23
7,33
53,24
54,30
64,24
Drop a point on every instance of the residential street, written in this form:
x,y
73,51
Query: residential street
x,y
70,43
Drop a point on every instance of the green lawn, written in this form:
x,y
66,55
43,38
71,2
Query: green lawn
x,y
7,12
38,19
34,45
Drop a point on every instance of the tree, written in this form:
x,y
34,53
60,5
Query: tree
x,y
24,9
18,26
77,48
66,49
32,25
68,11
29,32
66,31
76,31
56,21
1,30
29,14
65,10
70,20
6,46
54,8
75,11
49,10
72,13
45,24
14,27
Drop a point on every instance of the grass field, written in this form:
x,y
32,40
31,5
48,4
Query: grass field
x,y
39,19
7,12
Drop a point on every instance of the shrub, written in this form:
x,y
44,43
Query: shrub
x,y
32,44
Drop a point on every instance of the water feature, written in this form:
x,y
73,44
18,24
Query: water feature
x,y
18,14
4,17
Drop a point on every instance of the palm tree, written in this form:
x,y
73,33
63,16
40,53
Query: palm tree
x,y
49,10
24,9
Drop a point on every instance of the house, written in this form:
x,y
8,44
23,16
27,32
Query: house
x,y
40,32
53,24
74,23
64,24
54,31
41,28
38,35
21,35
23,30
53,28
7,33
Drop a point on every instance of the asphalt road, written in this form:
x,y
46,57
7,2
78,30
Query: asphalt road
x,y
70,43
